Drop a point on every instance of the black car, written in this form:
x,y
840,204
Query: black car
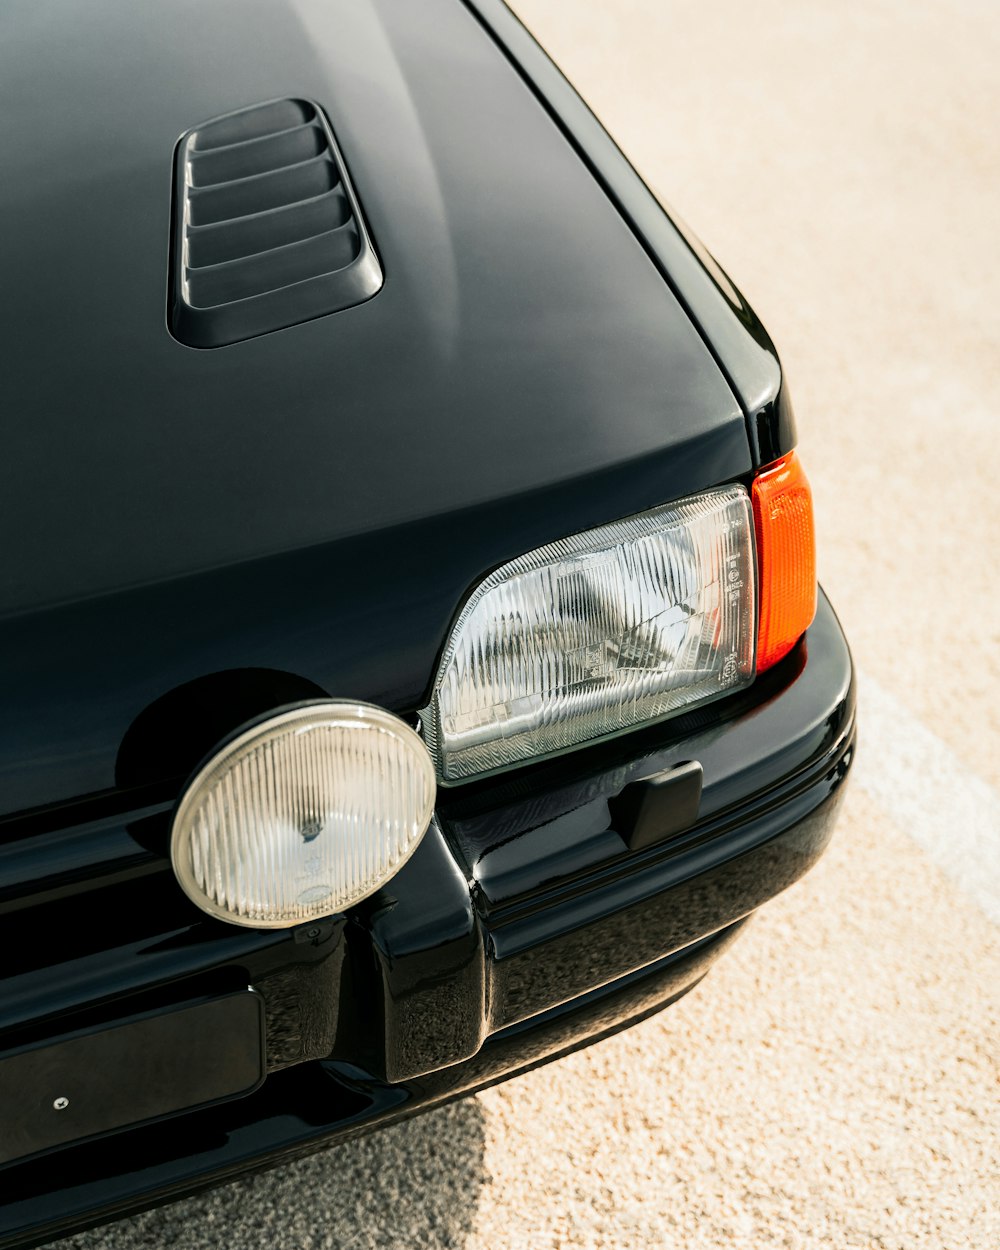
x,y
412,660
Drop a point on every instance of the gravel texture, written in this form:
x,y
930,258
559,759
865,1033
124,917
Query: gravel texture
x,y
834,1082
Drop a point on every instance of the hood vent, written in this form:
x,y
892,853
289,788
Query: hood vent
x,y
267,229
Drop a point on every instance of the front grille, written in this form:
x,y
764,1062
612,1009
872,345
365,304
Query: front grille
x,y
267,230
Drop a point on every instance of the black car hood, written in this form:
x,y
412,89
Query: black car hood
x,y
316,500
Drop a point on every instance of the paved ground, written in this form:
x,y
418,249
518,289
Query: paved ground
x,y
835,1081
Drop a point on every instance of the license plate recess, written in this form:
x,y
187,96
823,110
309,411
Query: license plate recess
x,y
140,1069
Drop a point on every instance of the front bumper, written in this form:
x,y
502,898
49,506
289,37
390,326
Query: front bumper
x,y
522,928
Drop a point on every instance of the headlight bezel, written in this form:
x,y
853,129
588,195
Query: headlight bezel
x,y
583,543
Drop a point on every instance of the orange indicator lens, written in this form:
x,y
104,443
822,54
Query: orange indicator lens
x,y
786,558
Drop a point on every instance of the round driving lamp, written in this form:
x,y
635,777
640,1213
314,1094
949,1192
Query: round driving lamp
x,y
302,814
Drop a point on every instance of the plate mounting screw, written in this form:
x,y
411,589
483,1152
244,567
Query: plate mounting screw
x,y
61,1104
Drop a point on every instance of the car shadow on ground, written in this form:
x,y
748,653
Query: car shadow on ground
x,y
413,1184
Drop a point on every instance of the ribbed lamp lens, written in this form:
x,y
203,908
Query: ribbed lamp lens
x,y
786,552
302,815
595,634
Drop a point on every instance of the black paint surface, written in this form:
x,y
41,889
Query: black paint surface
x,y
317,501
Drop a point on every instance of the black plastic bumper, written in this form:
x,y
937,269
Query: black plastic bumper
x,y
522,928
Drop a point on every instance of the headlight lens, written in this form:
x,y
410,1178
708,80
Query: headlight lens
x,y
303,814
595,634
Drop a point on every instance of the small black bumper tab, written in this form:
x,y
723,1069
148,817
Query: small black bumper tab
x,y
654,809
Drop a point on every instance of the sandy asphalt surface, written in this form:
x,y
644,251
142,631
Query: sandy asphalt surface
x,y
834,1082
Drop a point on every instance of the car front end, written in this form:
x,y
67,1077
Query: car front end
x,y
421,492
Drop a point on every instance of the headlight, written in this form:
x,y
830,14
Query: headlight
x,y
596,634
303,814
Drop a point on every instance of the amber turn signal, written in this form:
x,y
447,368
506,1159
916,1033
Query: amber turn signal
x,y
786,558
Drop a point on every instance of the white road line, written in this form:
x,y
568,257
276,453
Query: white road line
x,y
930,794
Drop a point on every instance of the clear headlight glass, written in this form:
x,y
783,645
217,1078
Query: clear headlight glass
x,y
303,814
598,633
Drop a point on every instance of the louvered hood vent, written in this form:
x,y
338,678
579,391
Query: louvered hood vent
x,y
267,228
